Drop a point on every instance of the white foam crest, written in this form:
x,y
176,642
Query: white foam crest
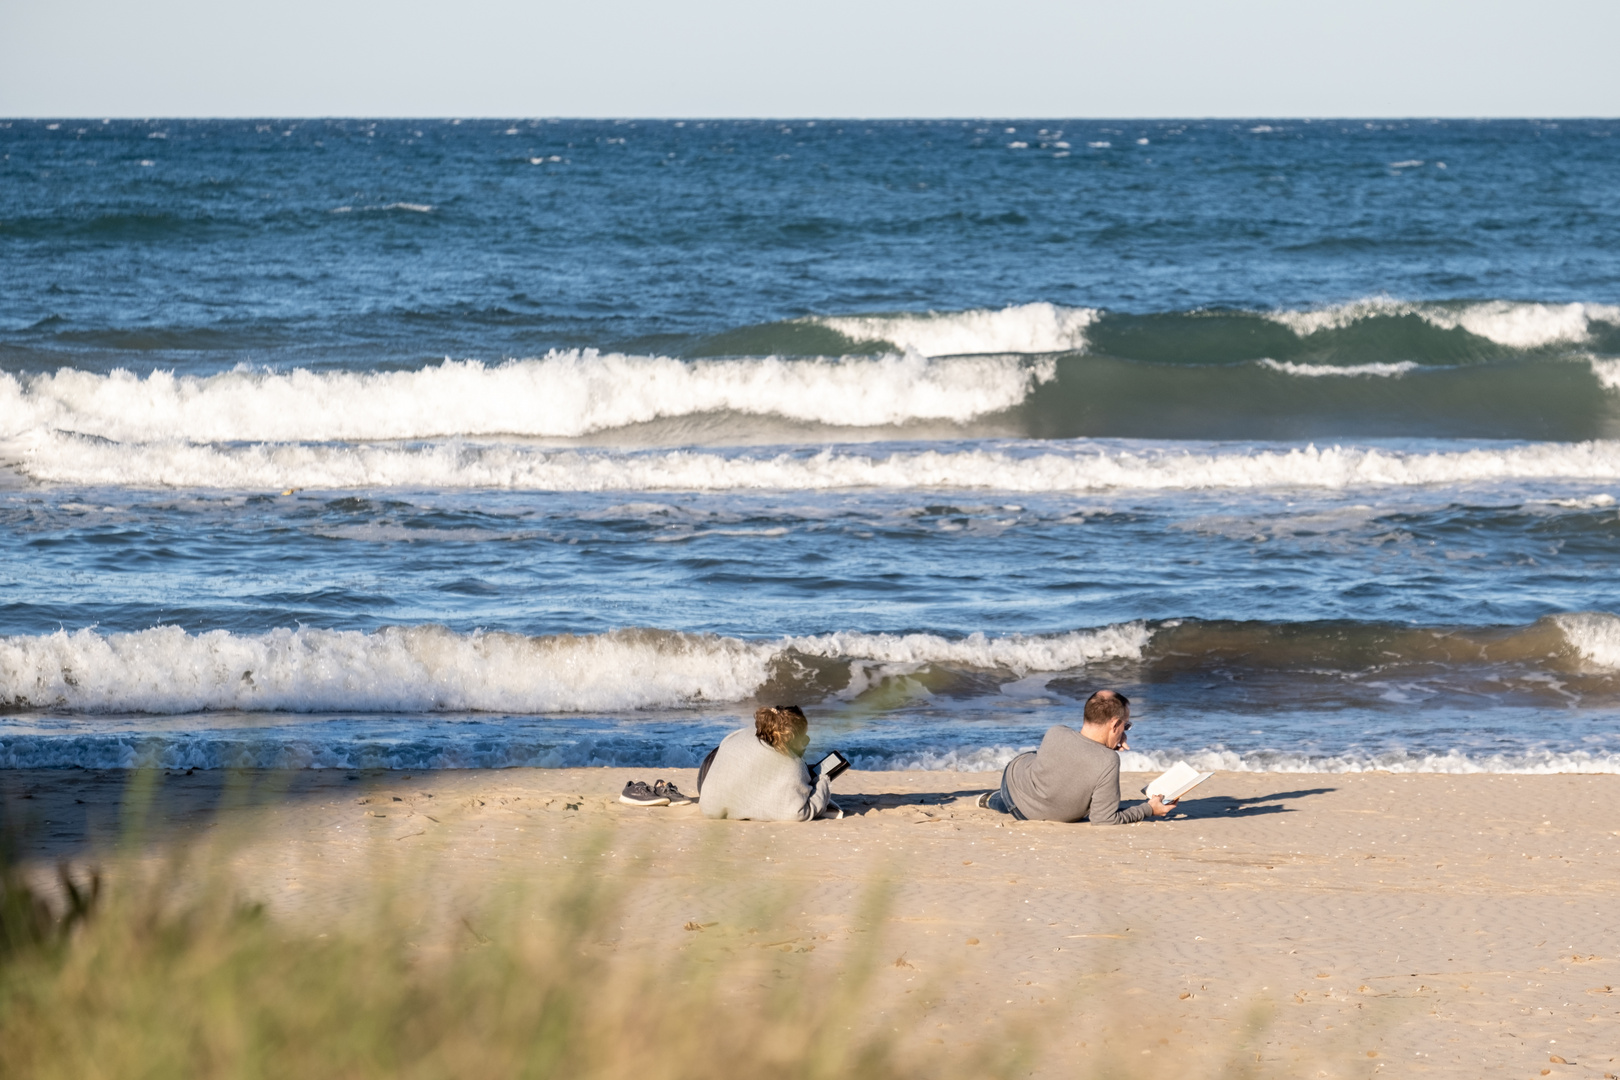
x,y
415,208
953,759
1607,372
1016,652
1288,367
415,669
1022,328
563,394
1393,761
166,670
55,458
1594,635
1585,502
1515,324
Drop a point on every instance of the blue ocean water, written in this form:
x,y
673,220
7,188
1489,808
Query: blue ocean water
x,y
446,443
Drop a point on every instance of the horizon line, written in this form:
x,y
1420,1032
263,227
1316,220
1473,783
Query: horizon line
x,y
107,117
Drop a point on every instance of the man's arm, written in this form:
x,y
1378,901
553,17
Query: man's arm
x,y
1105,808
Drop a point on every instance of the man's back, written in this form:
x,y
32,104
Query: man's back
x,y
1070,778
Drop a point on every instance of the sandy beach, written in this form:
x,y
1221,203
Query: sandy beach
x,y
1338,925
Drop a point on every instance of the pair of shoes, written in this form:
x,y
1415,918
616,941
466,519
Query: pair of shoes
x,y
671,794
983,801
834,812
637,793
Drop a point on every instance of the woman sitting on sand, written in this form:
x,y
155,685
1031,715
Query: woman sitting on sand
x,y
761,774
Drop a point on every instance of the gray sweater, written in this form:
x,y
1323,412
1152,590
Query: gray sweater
x,y
1070,778
750,779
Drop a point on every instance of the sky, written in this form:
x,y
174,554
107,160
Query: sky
x,y
830,58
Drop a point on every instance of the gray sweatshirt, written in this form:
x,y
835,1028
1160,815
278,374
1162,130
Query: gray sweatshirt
x,y
1070,778
750,779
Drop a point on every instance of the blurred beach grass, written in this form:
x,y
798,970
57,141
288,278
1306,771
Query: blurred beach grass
x,y
170,970
166,973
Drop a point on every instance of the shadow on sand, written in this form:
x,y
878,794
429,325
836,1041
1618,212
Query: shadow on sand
x,y
1214,806
859,803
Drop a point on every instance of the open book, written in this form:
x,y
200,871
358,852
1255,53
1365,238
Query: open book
x,y
1181,779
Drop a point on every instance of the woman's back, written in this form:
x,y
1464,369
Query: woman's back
x,y
750,779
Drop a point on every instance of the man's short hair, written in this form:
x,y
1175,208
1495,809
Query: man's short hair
x,y
1106,706
777,725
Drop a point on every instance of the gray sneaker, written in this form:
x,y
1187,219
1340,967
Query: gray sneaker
x,y
671,794
637,793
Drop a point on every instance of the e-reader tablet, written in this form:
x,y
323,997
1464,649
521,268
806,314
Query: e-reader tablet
x,y
831,765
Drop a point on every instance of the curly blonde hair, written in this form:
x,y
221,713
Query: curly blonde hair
x,y
778,725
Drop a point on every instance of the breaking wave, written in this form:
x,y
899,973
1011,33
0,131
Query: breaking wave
x,y
328,750
165,670
1024,328
428,668
1288,367
994,759
1394,761
1376,330
71,696
562,395
1514,324
1370,369
1595,636
1017,467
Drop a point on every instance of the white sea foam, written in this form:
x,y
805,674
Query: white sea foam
x,y
1518,325
1607,372
949,759
1586,502
1394,761
1017,653
988,759
431,669
282,749
425,668
560,395
415,208
1024,328
1595,635
56,458
1288,367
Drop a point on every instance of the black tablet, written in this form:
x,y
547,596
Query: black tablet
x,y
831,765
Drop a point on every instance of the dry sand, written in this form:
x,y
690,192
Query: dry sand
x,y
1336,925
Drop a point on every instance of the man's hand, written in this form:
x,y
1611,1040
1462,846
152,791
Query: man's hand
x,y
1159,807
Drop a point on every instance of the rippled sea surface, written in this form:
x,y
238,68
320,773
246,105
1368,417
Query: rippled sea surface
x,y
425,444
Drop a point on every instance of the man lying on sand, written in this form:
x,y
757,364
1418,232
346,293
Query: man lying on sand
x,y
1075,774
761,774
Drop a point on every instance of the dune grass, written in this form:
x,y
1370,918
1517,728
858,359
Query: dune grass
x,y
151,979
171,971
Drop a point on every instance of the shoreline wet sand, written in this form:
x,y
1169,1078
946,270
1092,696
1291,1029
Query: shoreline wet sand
x,y
1335,924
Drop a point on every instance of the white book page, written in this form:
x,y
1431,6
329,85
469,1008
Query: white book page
x,y
1179,779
